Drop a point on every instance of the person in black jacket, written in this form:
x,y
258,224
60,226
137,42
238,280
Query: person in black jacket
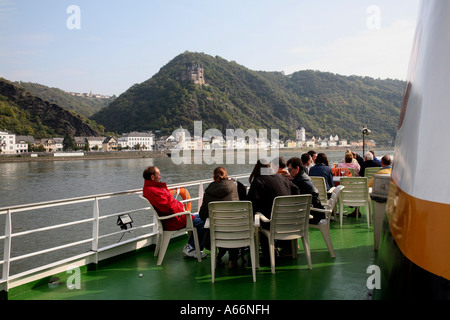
x,y
221,189
265,186
306,186
368,163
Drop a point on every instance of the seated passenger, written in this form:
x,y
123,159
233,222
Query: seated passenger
x,y
321,169
306,186
221,189
368,163
265,186
165,204
386,163
349,163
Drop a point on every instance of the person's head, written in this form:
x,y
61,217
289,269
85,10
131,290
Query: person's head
x,y
368,156
313,155
322,158
373,153
281,162
220,173
295,166
306,159
262,163
348,158
386,161
152,173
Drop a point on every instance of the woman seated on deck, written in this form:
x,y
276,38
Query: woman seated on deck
x,y
221,189
350,162
322,169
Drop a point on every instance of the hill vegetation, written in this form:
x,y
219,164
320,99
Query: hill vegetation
x,y
26,114
237,97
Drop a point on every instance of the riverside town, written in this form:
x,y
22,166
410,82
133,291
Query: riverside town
x,y
12,144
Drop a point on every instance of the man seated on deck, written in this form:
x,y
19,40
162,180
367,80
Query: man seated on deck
x,y
386,163
165,204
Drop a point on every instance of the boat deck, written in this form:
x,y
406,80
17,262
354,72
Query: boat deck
x,y
182,278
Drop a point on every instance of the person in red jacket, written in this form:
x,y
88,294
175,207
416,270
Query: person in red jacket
x,y
165,204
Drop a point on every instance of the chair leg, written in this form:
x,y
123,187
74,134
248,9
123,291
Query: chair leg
x,y
272,255
327,238
341,212
257,249
305,241
253,259
158,244
368,214
197,246
294,248
163,247
213,261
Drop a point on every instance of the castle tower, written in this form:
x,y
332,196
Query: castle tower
x,y
194,73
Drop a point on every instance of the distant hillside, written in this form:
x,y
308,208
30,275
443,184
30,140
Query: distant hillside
x,y
83,106
236,97
25,114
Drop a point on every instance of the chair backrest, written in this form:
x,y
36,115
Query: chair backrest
x,y
319,182
231,223
369,172
155,213
354,188
352,171
290,216
334,197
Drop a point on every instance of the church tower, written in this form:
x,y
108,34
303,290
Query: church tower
x,y
300,134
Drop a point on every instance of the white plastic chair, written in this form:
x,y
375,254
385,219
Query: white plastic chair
x,y
355,194
370,171
231,226
289,221
164,236
324,226
321,186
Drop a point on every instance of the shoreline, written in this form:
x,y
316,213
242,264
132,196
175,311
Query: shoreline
x,y
88,156
142,154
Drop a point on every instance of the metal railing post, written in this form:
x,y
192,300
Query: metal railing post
x,y
95,234
7,249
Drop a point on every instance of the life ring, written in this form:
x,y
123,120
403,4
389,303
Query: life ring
x,y
341,172
184,195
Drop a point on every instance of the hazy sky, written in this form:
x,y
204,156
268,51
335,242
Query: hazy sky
x,y
107,46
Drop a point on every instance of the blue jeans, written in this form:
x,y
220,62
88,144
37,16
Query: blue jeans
x,y
199,225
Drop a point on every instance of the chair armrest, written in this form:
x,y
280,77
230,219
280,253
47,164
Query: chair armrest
x,y
174,215
257,220
320,210
331,190
262,217
206,226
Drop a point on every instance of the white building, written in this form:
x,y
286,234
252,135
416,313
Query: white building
x,y
137,140
301,134
95,143
8,144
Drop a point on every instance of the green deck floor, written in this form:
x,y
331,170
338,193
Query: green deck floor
x,y
181,278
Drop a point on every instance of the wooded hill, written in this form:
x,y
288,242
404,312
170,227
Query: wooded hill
x,y
25,114
237,97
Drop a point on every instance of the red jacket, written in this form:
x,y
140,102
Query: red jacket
x,y
161,199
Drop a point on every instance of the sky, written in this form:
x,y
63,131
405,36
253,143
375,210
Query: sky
x,y
108,46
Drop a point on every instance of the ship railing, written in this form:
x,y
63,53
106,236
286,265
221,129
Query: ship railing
x,y
96,252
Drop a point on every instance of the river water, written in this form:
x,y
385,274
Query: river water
x,y
32,182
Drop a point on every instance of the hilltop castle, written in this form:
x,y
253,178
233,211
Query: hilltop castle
x,y
194,74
